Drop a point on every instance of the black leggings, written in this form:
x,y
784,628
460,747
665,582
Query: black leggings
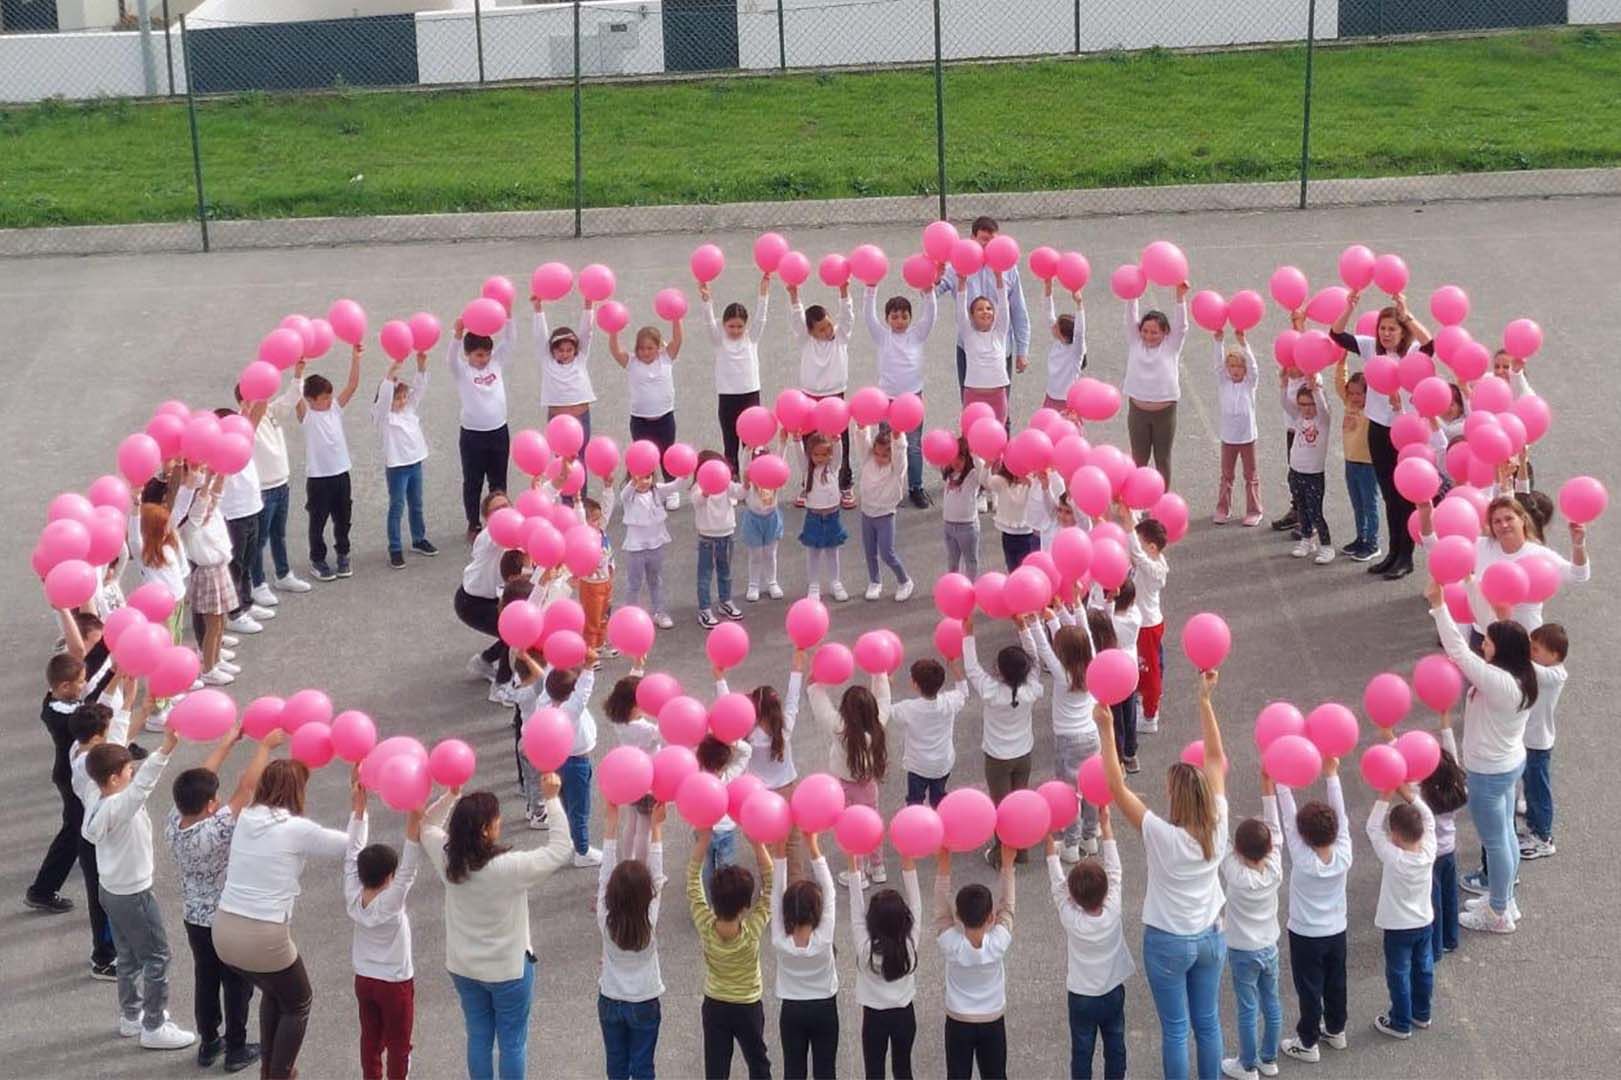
x,y
891,1032
731,407
967,1043
284,1014
1397,508
483,614
216,982
484,457
724,1021
810,1029
660,431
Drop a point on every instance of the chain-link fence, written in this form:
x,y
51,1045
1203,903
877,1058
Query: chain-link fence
x,y
418,119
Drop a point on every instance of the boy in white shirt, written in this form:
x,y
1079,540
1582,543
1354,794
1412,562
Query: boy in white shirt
x,y
1251,874
715,518
396,412
1309,419
926,724
1549,646
824,365
1150,570
376,881
326,464
974,938
900,340
1403,836
1066,357
1088,902
1319,863
568,691
478,368
270,465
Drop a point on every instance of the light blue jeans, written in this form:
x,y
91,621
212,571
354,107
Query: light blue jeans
x,y
497,1013
1491,806
1255,987
722,852
405,492
1184,975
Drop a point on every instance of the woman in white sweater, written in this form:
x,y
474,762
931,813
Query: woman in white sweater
x,y
273,838
487,949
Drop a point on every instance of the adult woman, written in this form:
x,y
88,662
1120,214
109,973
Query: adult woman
x,y
1397,333
1153,383
1512,538
251,934
487,948
1503,687
1184,948
478,599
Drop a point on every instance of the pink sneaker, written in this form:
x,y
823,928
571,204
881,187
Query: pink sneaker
x,y
1220,517
1252,520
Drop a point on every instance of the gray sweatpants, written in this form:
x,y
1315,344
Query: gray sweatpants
x,y
143,955
1068,753
648,565
962,548
1151,432
878,541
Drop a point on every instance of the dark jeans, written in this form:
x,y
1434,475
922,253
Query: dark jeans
x,y
285,997
1125,726
1410,976
1318,967
1397,508
483,614
730,407
1307,491
660,431
725,1021
630,1036
714,563
327,497
932,788
1444,901
272,531
810,1030
969,1043
484,457
58,862
1016,547
244,552
405,497
1362,482
1539,793
576,797
1090,1017
217,982
891,1032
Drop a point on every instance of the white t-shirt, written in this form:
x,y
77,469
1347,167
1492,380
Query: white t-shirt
x,y
1309,451
651,385
482,575
824,366
716,515
900,356
976,979
776,774
986,350
630,976
564,384
1184,887
1098,958
926,726
270,442
1494,713
1150,572
805,972
737,361
879,487
1065,359
1317,888
481,391
121,829
326,449
872,990
1252,891
1404,885
1007,731
401,429
1154,374
1236,424
1072,709
242,497
1539,724
959,504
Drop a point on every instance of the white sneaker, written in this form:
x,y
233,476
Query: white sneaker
x,y
846,876
1338,1041
1519,805
291,582
218,677
1231,1067
171,1036
1148,725
1089,844
774,591
244,624
874,591
264,596
752,594
538,821
263,614
673,502
480,668
1487,920
158,722
879,875
501,693
1069,853
227,654
1268,1068
1292,1047
196,685
839,592
1483,903
230,641
904,592
128,1028
663,621
1324,556
1302,549
813,591
228,667
591,857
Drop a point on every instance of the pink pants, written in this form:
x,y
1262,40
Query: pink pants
x,y
1231,455
995,397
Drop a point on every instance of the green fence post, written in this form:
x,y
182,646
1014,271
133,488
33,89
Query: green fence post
x,y
939,111
478,36
196,146
782,38
579,164
1077,27
1305,122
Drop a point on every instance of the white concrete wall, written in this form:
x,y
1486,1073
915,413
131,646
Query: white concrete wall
x,y
87,14
1595,11
537,42
263,11
82,65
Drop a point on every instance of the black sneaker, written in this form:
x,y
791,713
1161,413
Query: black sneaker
x,y
241,1057
730,610
396,559
107,972
54,904
706,619
1382,1024
1287,521
209,1052
920,498
1350,550
424,547
344,569
1130,765
1368,553
322,571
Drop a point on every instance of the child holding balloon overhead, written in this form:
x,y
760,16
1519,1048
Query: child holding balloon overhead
x,y
629,891
880,452
858,755
823,530
1361,482
569,691
642,509
983,327
1075,732
974,936
959,506
1549,646
1236,378
1445,791
1307,409
730,918
926,723
715,518
376,882
650,381
900,340
824,367
1403,837
1147,540
210,592
886,939
1013,495
1252,873
1088,901
565,384
1319,864
1010,695
803,921
326,464
396,412
737,361
762,529
1066,357
478,368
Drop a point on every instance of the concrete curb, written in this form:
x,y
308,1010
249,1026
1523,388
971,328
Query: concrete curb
x,y
810,213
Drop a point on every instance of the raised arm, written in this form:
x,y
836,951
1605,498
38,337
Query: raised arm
x,y
757,324
352,383
616,350
717,336
1130,805
249,780
678,337
1215,754
1018,318
847,314
875,325
928,312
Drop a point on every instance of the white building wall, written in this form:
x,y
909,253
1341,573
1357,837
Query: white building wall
x,y
537,42
90,64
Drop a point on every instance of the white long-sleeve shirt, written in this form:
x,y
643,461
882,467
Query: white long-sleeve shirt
x,y
270,441
1317,888
570,383
926,725
1236,400
630,976
1494,712
1012,504
401,429
644,515
268,851
1252,891
716,515
650,385
900,356
976,977
1149,572
879,487
1446,826
1309,451
824,366
805,972
827,715
986,350
121,829
959,504
872,990
481,577
326,446
772,773
1007,731
1404,883
737,360
533,696
1072,709
1154,374
1065,359
1539,725
1488,552
381,948
1098,958
824,493
482,391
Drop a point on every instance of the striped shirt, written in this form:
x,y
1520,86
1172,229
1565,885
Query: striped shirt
x,y
731,966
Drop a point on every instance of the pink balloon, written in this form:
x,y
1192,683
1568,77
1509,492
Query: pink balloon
x,y
564,435
177,669
203,716
987,439
612,316
972,414
871,652
1209,309
258,381
1387,699
312,744
1491,394
1026,591
1090,490
1143,487
1206,640
1074,271
968,817
920,272
794,269
118,621
1471,361
731,717
1002,253
564,649
1171,510
547,738
64,539
304,327
860,831
756,426
831,416
1417,480
869,264
765,818
197,440
582,550
625,775
1505,584
519,624
1044,263
1437,682
954,596
1113,533
1356,267
682,720
1193,754
139,458
768,471
831,664
1383,767
1071,552
1583,499
939,239
793,408
596,283
1421,752
1432,396
1023,819
425,331
1333,728
395,337
868,406
601,456
500,289
817,802
769,249
671,767
1093,783
452,762
681,459
1456,597
506,526
631,631
230,454
321,336
707,263
1456,517
1275,720
916,831
1164,263
281,349
714,477
1450,305
670,304
641,458
1245,310
1543,578
807,622
1110,563
141,648
71,583
403,782
551,281
1063,807
1452,558
484,316
262,716
701,798
967,257
1390,273
1292,760
305,707
1112,676
1289,287
1409,428
1522,338
354,735
948,638
1128,282
727,646
988,590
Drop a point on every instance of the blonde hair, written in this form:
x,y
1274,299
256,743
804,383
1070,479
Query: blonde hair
x,y
156,534
1193,807
650,334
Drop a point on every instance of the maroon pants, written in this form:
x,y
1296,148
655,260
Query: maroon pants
x,y
386,1012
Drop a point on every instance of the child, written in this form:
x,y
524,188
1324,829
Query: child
x,y
1012,514
270,462
1236,377
596,588
802,926
651,388
737,361
642,509
565,382
1088,901
1549,646
376,881
1403,837
1309,417
240,504
974,943
982,327
858,753
823,530
824,366
1075,732
198,831
629,988
1066,358
879,454
959,502
1116,626
900,341
1252,873
210,592
116,821
926,723
1009,696
1319,862
886,936
1150,570
715,518
762,530
396,412
730,924
570,691
1152,384
1445,791
326,464
725,761
1361,482
636,729
1049,508
478,368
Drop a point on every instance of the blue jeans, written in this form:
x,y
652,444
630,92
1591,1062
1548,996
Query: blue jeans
x,y
1090,1016
1444,900
497,1013
272,531
630,1035
1410,975
1255,988
405,490
1184,975
1491,805
1362,484
919,788
714,557
722,852
576,796
1539,793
